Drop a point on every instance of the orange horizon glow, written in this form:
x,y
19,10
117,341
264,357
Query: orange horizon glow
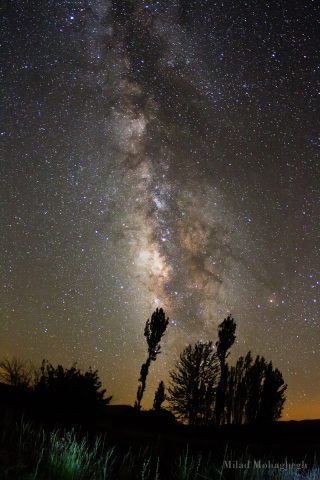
x,y
302,411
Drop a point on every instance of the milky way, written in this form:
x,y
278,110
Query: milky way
x,y
161,154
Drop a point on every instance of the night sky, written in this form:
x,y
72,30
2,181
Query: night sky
x,y
161,153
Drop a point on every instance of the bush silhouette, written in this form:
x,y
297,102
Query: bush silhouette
x,y
67,394
159,397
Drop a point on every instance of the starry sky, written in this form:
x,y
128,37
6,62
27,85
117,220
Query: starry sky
x,y
161,153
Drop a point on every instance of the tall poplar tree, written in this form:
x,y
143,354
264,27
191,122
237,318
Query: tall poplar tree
x,y
154,331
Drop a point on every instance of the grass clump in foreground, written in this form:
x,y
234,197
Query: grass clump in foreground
x,y
30,454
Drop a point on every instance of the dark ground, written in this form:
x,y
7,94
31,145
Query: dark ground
x,y
124,427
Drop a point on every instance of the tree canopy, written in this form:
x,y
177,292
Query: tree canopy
x,y
154,331
255,391
16,372
204,388
226,334
69,393
193,383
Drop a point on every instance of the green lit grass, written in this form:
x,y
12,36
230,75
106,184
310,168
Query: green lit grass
x,y
33,454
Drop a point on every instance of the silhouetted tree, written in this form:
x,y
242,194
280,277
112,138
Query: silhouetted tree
x,y
272,395
226,334
159,396
236,394
68,394
254,381
193,384
16,372
255,391
154,331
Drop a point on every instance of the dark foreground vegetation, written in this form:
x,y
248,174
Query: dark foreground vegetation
x,y
219,421
131,445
